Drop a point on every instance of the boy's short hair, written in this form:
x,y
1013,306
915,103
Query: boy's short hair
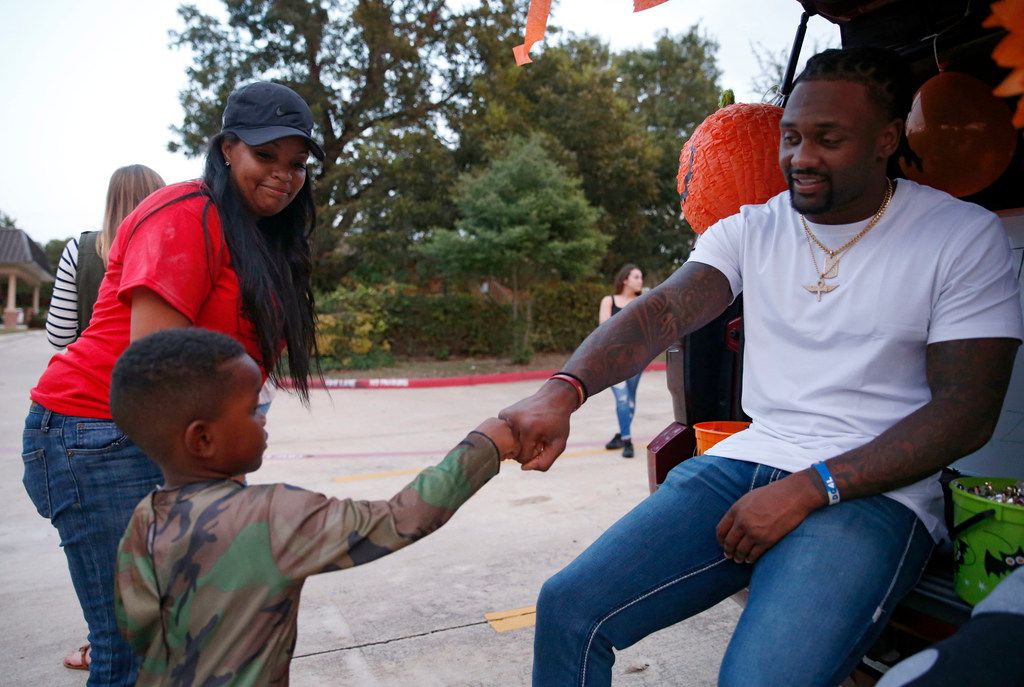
x,y
164,381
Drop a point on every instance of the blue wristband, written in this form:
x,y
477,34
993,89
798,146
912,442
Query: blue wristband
x,y
830,483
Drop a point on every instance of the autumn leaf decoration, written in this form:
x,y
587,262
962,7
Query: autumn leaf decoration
x,y
1009,14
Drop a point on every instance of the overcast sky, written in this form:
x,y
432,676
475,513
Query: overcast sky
x,y
87,87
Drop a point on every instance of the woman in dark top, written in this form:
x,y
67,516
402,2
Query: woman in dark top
x,y
629,284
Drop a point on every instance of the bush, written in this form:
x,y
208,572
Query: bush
x,y
352,328
564,314
362,327
445,325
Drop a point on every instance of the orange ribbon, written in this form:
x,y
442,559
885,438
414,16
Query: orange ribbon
x,y
641,5
537,22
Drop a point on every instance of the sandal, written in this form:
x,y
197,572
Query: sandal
x,y
79,659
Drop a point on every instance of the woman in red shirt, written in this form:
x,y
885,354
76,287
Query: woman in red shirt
x,y
229,253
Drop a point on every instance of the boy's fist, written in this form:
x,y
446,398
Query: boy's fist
x,y
501,435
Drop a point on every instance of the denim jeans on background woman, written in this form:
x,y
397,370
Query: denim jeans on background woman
x,y
818,598
625,403
86,477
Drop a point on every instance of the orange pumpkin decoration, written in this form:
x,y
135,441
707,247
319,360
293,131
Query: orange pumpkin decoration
x,y
961,132
731,159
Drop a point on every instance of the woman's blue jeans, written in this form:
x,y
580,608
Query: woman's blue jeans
x,y
625,404
818,598
86,477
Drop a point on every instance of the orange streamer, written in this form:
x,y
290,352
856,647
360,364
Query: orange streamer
x,y
537,22
641,5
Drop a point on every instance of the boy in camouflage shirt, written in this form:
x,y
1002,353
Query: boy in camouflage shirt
x,y
210,570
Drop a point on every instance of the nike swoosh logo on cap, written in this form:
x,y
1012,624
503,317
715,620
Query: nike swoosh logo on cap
x,y
279,112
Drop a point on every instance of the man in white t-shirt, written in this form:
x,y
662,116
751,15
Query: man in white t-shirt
x,y
881,320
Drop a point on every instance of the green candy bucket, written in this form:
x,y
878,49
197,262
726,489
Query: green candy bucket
x,y
988,538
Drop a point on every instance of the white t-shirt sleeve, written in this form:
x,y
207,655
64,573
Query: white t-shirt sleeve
x,y
721,247
978,294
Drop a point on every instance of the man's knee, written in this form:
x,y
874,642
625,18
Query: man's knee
x,y
562,604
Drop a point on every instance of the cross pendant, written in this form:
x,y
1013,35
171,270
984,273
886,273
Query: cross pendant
x,y
820,287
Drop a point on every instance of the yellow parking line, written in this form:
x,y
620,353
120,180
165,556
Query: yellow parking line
x,y
503,621
343,479
377,475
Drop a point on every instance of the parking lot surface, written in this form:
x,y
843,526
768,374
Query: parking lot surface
x,y
418,617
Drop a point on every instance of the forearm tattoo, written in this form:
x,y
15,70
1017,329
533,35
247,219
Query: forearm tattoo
x,y
623,346
968,380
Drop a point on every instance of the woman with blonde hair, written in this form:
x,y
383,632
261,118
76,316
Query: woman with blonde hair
x,y
84,259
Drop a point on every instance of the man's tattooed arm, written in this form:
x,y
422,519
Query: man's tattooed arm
x,y
968,380
623,346
616,350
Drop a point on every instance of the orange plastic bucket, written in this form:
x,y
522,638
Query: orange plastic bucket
x,y
710,433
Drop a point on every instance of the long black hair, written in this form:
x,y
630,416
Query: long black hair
x,y
271,257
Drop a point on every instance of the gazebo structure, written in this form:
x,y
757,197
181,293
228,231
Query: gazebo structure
x,y
22,259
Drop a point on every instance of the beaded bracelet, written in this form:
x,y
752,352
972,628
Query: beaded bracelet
x,y
577,384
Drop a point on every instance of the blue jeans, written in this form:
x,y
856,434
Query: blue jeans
x,y
86,477
818,598
625,403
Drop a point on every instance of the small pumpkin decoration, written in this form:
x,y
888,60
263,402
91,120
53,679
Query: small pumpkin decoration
x,y
962,133
731,159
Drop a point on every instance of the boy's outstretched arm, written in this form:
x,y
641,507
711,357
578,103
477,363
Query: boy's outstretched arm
x,y
311,533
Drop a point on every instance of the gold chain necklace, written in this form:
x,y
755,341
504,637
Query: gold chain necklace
x,y
832,257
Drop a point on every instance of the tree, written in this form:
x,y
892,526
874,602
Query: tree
x,y
616,121
6,221
772,66
671,87
54,248
525,221
570,96
384,79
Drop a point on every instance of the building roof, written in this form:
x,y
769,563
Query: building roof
x,y
18,250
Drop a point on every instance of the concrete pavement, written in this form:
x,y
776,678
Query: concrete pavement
x,y
415,618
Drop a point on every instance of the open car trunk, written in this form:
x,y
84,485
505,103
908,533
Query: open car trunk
x,y
705,368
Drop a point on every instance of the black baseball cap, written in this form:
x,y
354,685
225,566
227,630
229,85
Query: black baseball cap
x,y
264,111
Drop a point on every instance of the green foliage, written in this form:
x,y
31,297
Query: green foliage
x,y
385,80
361,327
352,327
409,95
53,250
617,121
564,314
7,221
672,87
524,219
449,325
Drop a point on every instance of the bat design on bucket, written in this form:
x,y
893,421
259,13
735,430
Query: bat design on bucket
x,y
1003,563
